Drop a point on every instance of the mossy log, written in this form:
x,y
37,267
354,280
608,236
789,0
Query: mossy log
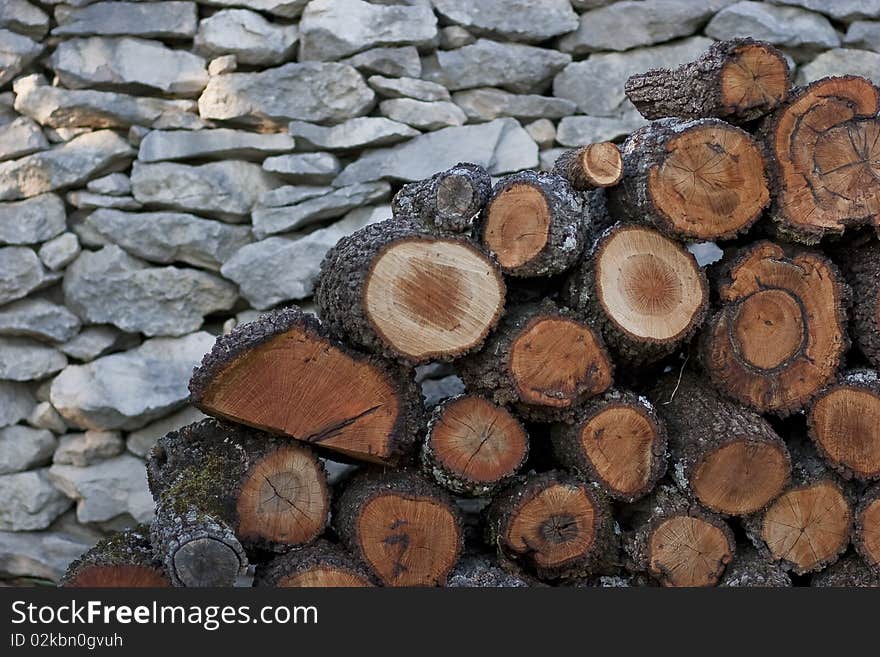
x,y
123,560
593,166
448,201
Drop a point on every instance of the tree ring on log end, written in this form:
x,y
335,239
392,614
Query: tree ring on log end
x,y
755,78
555,361
517,224
117,576
868,537
688,551
845,425
808,526
602,164
768,329
205,562
324,577
432,297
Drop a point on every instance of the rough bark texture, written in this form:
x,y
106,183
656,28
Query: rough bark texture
x,y
535,224
726,456
591,167
124,559
446,202
698,180
320,564
861,262
866,535
751,569
481,571
543,360
340,293
738,80
625,453
849,572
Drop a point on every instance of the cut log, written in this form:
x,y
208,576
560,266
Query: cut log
x,y
809,525
696,180
866,537
591,167
644,291
727,457
542,359
473,446
677,542
122,560
553,524
862,265
270,492
738,80
448,201
849,572
406,530
282,373
321,564
535,224
844,423
616,440
751,569
411,296
780,335
823,147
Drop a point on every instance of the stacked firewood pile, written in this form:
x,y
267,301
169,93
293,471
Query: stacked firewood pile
x,y
630,417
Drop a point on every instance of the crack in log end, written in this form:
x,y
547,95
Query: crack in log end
x,y
754,81
517,224
432,294
688,551
559,529
844,424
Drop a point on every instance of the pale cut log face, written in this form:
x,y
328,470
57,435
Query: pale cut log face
x,y
754,78
619,441
517,225
870,525
119,576
284,498
711,182
648,285
324,577
555,361
808,526
688,551
741,477
432,297
602,164
846,424
408,540
478,440
555,526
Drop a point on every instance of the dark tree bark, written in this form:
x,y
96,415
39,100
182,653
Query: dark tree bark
x,y
751,569
446,202
321,564
123,560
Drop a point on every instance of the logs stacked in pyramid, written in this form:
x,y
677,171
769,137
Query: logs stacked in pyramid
x,y
629,417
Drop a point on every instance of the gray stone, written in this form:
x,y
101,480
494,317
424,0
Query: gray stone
x,y
842,61
221,143
843,10
501,146
82,449
514,66
128,64
21,137
23,359
91,342
285,268
23,448
33,220
63,135
269,221
304,167
41,555
66,165
421,114
226,189
282,8
63,108
169,19
30,501
455,36
361,132
331,29
396,62
519,20
436,390
107,489
784,26
291,195
488,103
596,84
863,34
549,157
222,64
21,272
706,253
248,36
23,17
408,88
128,390
141,441
110,286
38,318
311,91
57,253
16,402
543,132
16,53
626,25
84,200
167,237
115,184
582,130
44,416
